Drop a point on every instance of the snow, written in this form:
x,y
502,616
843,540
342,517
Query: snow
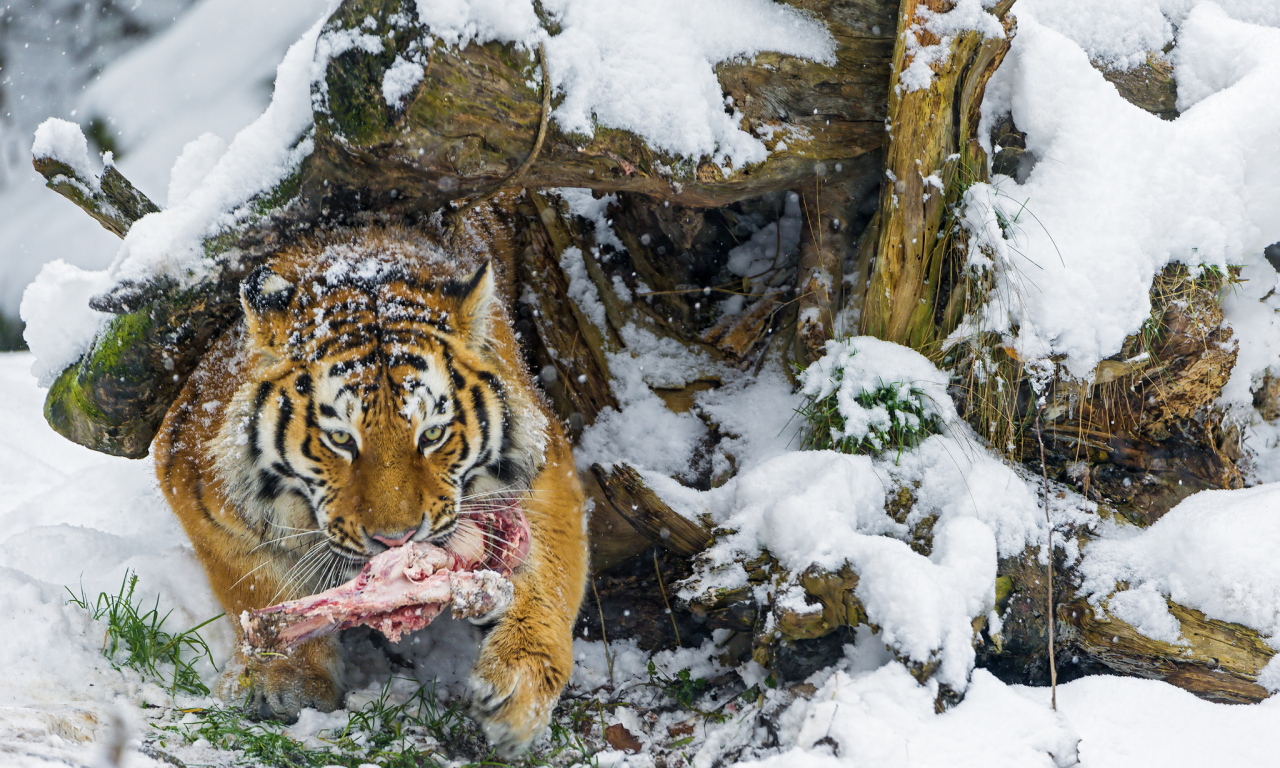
x,y
884,719
76,519
964,16
649,68
1117,35
399,81
1129,723
1204,554
193,166
864,366
461,22
827,509
583,203
762,258
62,140
1118,193
60,323
644,432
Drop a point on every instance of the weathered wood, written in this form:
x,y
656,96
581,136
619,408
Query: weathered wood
x,y
570,350
467,126
111,199
650,515
1150,85
1219,661
473,119
824,246
1145,433
932,147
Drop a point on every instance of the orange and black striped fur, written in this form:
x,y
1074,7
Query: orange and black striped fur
x,y
375,393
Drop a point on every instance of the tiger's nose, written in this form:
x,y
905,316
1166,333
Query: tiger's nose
x,y
394,542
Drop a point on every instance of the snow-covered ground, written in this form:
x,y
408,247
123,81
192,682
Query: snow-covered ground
x,y
1116,194
79,520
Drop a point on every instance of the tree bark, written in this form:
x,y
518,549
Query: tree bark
x,y
110,199
933,155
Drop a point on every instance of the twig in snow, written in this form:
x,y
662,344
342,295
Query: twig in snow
x,y
1044,471
663,589
608,657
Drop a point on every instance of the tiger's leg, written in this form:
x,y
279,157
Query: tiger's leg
x,y
276,688
244,576
527,657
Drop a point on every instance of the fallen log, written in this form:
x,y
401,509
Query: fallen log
x,y
472,120
462,133
1220,661
650,515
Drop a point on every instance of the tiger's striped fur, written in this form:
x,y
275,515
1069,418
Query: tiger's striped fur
x,y
375,394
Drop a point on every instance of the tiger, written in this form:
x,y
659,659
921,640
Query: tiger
x,y
373,394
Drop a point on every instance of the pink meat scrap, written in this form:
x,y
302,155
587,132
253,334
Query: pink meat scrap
x,y
406,587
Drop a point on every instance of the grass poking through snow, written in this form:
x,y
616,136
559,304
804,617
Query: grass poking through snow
x,y
423,731
910,421
136,638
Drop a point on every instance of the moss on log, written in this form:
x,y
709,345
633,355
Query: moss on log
x,y
473,118
113,399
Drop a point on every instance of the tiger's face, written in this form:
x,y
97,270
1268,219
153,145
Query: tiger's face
x,y
378,415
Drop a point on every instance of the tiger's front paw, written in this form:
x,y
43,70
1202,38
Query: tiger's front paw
x,y
280,688
515,689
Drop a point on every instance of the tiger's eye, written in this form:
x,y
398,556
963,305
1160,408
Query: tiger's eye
x,y
339,437
430,435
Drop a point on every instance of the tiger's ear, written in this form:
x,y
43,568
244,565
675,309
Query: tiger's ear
x,y
265,297
476,297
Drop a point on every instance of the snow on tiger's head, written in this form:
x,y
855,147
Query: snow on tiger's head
x,y
379,407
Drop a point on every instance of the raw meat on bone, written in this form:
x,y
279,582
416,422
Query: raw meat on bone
x,y
406,587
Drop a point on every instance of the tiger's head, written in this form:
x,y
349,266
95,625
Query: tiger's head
x,y
379,410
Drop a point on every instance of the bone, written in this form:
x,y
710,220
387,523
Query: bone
x,y
404,588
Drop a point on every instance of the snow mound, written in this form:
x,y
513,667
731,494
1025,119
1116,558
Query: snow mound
x,y
60,323
827,509
63,141
879,386
1204,554
1117,193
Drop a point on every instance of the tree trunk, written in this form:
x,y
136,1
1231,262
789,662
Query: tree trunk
x,y
933,156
